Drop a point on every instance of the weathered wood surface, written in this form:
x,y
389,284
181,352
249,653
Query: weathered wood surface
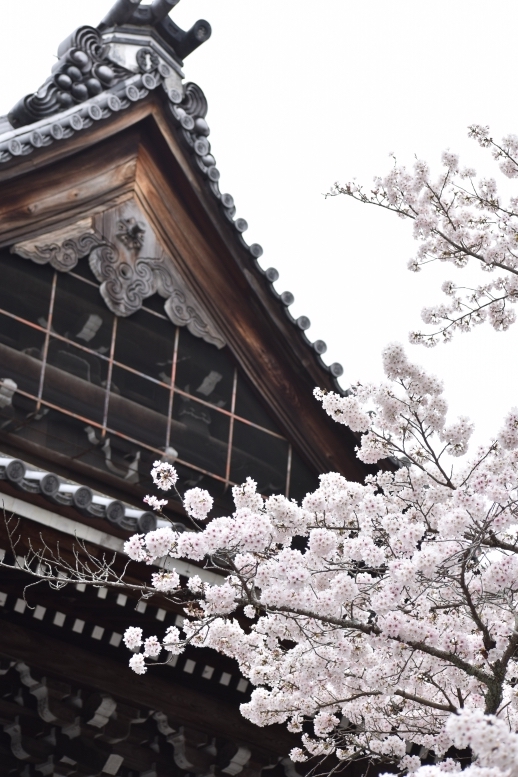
x,y
267,345
185,705
59,195
140,154
54,725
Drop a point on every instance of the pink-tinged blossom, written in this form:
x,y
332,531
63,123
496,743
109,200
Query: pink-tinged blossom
x,y
198,503
457,436
394,609
171,641
154,502
166,582
138,664
298,755
219,599
246,496
195,584
508,436
322,542
488,736
461,219
286,517
164,475
345,410
133,637
192,545
135,548
160,541
152,647
325,723
411,763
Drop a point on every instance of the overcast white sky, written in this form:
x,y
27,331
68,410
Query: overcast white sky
x,y
302,94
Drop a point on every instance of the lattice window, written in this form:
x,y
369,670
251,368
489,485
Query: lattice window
x,y
117,393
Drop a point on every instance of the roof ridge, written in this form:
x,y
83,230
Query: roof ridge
x,y
127,63
87,501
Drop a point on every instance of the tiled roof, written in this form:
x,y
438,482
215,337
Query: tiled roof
x,y
82,499
136,49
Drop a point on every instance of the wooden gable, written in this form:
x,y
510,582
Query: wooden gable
x,y
134,197
135,323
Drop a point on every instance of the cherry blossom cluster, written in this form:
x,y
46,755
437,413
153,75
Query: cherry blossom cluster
x,y
164,477
461,219
488,737
378,620
155,503
198,503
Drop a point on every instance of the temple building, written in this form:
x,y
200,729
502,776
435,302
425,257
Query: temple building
x,y
136,324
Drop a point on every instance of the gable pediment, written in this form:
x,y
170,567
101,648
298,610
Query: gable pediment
x,y
129,262
126,181
128,202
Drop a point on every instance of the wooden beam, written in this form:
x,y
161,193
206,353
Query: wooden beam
x,y
147,160
154,690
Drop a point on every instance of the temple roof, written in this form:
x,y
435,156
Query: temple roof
x,y
83,501
135,50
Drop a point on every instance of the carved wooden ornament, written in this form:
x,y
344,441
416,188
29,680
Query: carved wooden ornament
x,y
129,263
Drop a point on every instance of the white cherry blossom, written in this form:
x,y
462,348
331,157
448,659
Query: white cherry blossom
x,y
198,503
462,220
133,637
138,664
394,617
154,502
164,475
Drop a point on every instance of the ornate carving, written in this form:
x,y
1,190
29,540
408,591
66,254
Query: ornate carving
x,y
125,284
125,278
194,102
61,249
147,60
183,312
131,233
82,72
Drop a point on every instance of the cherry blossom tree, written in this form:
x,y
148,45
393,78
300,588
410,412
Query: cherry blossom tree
x,y
460,219
397,624
379,620
395,627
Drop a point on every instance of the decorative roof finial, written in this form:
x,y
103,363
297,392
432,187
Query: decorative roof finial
x,y
161,8
132,11
108,61
156,15
119,13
